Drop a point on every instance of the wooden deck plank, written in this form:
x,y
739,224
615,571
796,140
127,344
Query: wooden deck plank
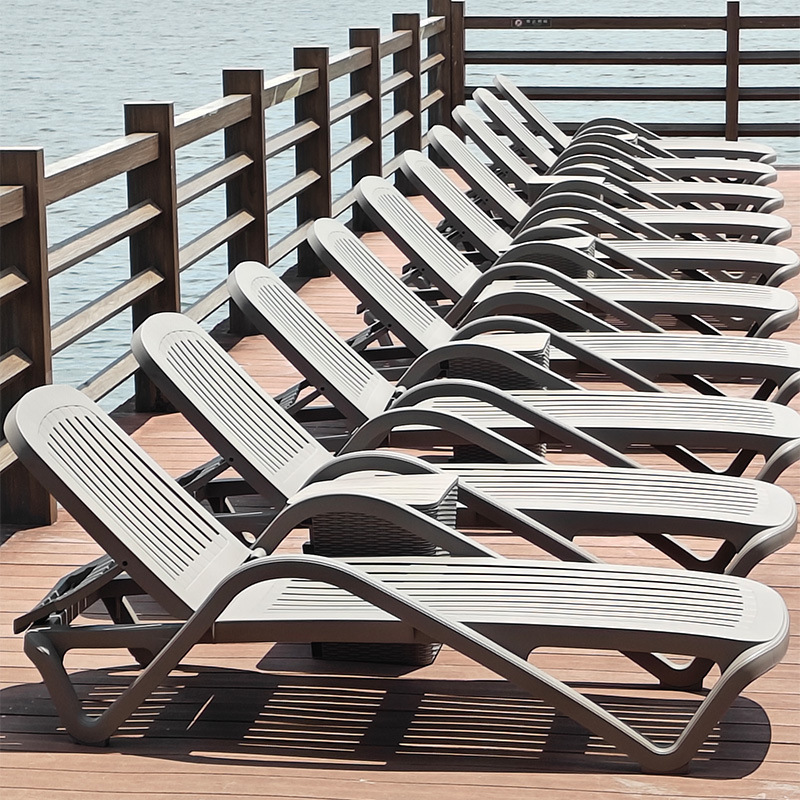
x,y
267,721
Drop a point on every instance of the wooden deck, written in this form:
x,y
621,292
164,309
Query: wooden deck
x,y
267,721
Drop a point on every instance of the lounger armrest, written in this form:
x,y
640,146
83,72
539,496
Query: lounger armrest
x,y
616,161
613,151
325,498
568,201
637,266
626,143
537,185
377,430
370,461
500,304
618,122
501,323
429,365
527,248
502,515
612,191
539,419
580,290
599,166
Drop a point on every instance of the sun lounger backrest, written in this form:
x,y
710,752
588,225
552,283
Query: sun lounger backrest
x,y
505,162
377,286
268,448
493,107
319,353
501,199
421,243
478,228
167,542
542,124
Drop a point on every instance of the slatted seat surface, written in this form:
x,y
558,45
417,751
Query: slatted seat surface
x,y
770,358
738,255
450,271
261,721
541,488
678,610
651,297
649,415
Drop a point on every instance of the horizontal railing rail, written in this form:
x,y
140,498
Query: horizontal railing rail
x,y
732,93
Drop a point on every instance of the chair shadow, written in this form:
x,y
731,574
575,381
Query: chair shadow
x,y
342,720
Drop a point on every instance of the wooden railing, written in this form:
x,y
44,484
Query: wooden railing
x,y
418,83
389,111
733,58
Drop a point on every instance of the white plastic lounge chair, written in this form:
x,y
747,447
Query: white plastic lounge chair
x,y
744,225
768,264
589,204
599,216
278,457
494,610
619,150
599,423
515,287
658,191
762,309
518,173
666,146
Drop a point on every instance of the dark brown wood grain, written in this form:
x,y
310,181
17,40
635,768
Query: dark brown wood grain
x,y
248,190
439,78
25,321
732,40
156,245
367,120
406,123
314,153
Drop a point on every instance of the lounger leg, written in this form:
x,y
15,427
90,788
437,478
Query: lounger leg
x,y
47,648
122,613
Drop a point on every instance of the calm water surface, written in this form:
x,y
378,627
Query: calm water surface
x,y
68,66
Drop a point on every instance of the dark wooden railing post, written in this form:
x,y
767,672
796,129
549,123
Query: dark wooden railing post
x,y
458,46
408,97
368,119
156,245
440,76
732,28
25,325
248,190
314,154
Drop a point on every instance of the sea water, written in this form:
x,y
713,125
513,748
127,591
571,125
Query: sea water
x,y
67,67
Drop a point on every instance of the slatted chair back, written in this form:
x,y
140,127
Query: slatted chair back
x,y
270,449
167,542
541,124
493,193
505,162
540,154
416,323
470,222
432,254
358,390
